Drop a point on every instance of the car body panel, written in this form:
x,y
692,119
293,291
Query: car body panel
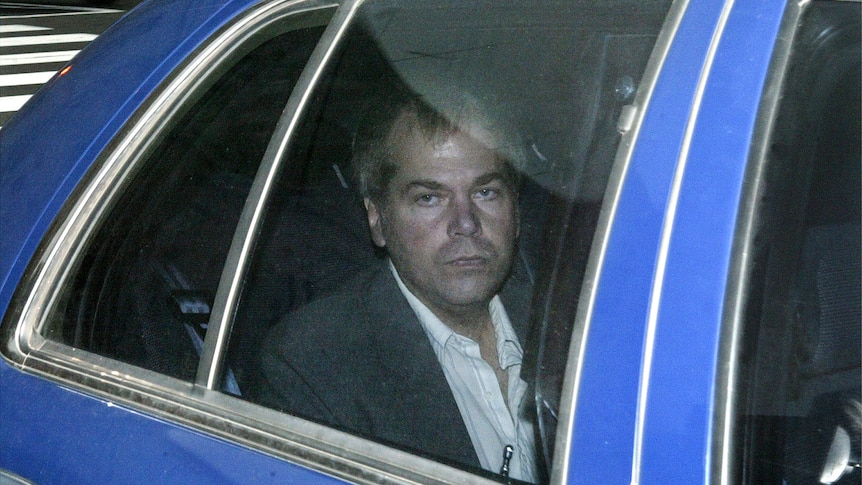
x,y
665,273
690,315
66,436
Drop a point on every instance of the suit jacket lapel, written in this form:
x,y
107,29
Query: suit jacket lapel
x,y
426,412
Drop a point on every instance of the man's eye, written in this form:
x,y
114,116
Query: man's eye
x,y
427,200
487,194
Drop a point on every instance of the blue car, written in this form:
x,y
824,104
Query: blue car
x,y
688,206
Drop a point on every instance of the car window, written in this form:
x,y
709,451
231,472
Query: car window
x,y
554,80
142,289
798,389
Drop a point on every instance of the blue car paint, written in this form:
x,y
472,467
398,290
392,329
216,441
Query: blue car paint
x,y
68,437
683,364
680,403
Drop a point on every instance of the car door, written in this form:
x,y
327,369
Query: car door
x,y
224,202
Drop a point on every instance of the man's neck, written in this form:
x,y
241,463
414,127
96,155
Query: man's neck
x,y
471,324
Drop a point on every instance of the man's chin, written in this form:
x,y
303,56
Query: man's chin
x,y
473,276
471,292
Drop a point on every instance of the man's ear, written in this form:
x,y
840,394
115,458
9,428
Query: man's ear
x,y
375,223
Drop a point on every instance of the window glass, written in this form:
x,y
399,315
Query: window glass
x,y
142,291
453,153
799,389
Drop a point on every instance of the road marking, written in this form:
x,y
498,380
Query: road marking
x,y
14,29
25,79
22,33
36,58
79,11
45,39
10,104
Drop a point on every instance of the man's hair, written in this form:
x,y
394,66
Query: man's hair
x,y
375,161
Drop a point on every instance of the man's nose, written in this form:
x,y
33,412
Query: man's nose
x,y
464,218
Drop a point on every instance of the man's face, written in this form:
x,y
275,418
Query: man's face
x,y
449,220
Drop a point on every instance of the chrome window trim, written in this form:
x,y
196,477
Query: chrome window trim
x,y
233,275
723,447
629,125
217,414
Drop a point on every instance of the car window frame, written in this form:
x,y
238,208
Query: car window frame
x,y
230,284
742,264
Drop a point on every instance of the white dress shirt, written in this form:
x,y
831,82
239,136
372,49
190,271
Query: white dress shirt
x,y
491,422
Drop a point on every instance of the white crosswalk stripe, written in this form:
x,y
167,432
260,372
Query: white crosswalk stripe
x,y
14,29
45,39
9,104
24,79
36,58
35,42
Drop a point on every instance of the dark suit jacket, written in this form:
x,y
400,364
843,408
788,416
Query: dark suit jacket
x,y
360,361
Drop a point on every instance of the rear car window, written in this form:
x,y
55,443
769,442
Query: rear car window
x,y
557,76
154,267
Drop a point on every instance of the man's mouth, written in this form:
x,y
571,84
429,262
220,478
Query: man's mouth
x,y
468,261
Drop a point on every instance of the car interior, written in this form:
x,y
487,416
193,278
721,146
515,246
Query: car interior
x,y
801,419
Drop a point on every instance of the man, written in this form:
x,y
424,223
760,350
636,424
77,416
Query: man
x,y
422,353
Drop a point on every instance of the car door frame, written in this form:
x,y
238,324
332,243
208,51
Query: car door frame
x,y
671,263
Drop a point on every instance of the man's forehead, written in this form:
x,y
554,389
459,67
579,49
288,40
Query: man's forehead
x,y
447,157
448,149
